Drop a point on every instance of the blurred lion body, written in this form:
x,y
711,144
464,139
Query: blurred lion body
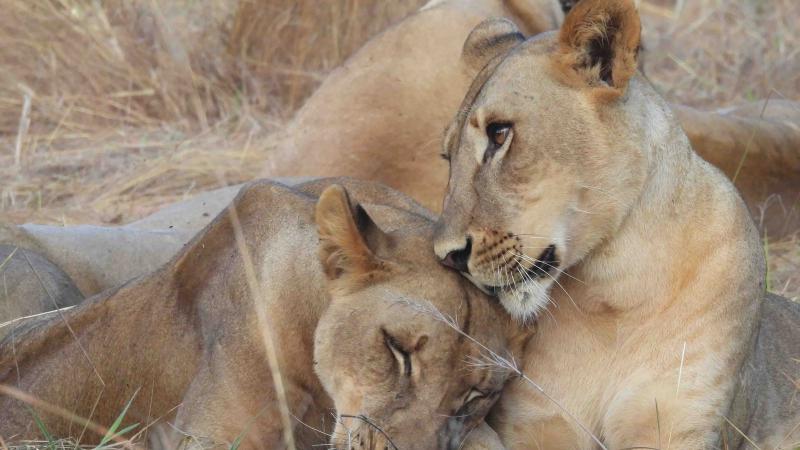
x,y
187,343
30,284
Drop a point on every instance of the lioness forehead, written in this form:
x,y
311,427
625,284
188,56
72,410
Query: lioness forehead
x,y
539,44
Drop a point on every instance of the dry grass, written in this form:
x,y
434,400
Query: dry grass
x,y
111,109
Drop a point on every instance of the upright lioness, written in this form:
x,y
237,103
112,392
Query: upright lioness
x,y
572,185
348,310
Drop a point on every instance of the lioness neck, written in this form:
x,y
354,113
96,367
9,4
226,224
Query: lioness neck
x,y
663,310
687,219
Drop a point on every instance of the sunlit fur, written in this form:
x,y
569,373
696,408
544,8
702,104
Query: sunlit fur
x,y
657,294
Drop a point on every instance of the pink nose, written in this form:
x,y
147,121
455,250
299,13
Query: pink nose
x,y
458,259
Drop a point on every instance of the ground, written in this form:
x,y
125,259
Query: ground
x,y
109,110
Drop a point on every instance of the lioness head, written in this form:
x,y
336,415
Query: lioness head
x,y
397,348
543,163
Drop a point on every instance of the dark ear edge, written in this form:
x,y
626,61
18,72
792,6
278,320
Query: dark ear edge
x,y
488,40
599,42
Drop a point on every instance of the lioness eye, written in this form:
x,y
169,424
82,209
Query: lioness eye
x,y
403,358
498,133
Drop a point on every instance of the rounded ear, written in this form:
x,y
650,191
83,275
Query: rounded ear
x,y
599,42
344,231
489,39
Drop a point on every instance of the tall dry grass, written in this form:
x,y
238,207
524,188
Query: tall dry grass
x,y
110,109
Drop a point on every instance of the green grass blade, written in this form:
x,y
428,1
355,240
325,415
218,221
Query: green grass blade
x,y
237,442
112,430
51,442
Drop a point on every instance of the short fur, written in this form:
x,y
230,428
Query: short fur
x,y
380,116
186,342
27,275
594,215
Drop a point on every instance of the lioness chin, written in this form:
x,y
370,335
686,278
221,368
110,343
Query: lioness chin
x,y
573,190
354,312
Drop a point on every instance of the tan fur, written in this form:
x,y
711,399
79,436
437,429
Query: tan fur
x,y
186,340
368,122
758,144
374,119
638,259
27,275
615,22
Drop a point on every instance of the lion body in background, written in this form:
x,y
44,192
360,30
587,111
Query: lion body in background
x,y
31,284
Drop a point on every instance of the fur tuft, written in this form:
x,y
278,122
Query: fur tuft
x,y
599,42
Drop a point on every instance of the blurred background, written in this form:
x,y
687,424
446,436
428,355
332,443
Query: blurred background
x,y
110,109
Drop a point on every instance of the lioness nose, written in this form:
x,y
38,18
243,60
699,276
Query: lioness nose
x,y
458,259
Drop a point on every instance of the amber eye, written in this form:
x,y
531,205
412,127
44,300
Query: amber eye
x,y
498,133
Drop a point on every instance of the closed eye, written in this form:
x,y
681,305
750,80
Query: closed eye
x,y
473,394
476,402
401,355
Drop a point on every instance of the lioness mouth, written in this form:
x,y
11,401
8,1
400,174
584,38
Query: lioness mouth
x,y
544,263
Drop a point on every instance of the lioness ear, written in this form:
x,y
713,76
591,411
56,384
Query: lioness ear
x,y
599,42
487,40
344,229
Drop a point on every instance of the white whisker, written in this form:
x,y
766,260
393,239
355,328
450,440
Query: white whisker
x,y
528,279
602,191
560,271
557,283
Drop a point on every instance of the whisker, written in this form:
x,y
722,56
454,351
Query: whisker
x,y
372,424
583,211
559,285
535,236
527,276
310,427
602,191
560,271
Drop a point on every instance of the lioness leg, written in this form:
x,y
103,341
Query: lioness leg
x,y
483,438
552,433
526,421
656,415
225,400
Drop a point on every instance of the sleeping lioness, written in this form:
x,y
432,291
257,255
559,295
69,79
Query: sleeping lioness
x,y
347,309
573,189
